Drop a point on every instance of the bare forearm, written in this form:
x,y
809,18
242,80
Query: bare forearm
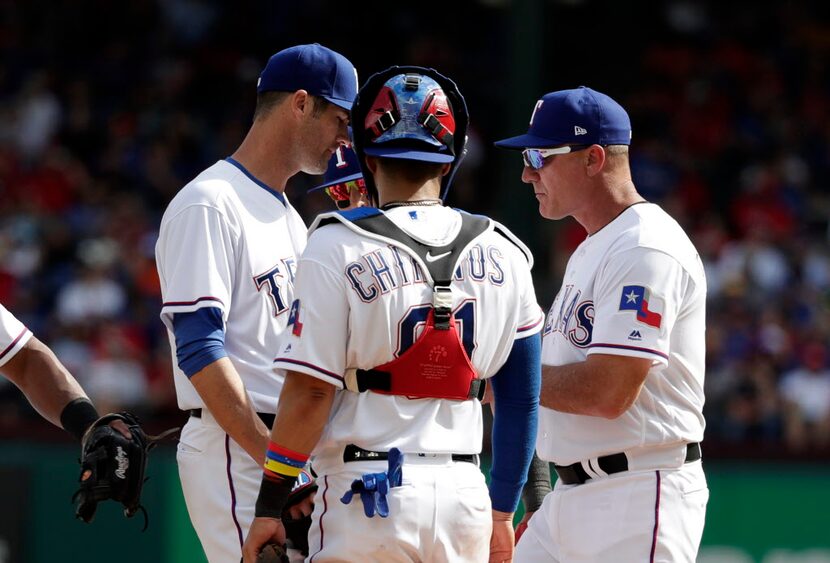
x,y
604,385
47,384
302,413
224,395
567,389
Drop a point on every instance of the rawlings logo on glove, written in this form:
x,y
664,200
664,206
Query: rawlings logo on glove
x,y
123,464
112,466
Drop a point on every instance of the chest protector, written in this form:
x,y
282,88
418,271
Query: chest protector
x,y
436,366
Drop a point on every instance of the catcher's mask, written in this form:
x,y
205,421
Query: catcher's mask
x,y
411,113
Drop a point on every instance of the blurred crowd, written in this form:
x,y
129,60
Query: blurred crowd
x,y
99,127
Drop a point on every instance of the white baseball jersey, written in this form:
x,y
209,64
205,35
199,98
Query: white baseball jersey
x,y
363,302
230,242
13,335
634,288
227,241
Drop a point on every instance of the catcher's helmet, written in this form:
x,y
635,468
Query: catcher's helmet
x,y
411,113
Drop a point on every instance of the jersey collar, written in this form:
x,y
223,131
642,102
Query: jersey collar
x,y
253,179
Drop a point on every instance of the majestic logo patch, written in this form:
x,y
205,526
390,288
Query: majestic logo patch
x,y
635,335
637,298
294,319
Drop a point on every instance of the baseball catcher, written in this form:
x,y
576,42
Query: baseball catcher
x,y
113,466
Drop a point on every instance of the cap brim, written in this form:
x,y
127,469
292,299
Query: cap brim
x,y
409,154
340,103
342,180
524,141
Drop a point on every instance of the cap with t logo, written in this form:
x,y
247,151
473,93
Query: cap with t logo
x,y
581,116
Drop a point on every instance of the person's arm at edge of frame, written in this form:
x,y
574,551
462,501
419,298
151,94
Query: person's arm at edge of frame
x,y
302,415
515,421
201,355
604,385
52,390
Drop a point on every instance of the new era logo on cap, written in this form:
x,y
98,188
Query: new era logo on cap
x,y
579,116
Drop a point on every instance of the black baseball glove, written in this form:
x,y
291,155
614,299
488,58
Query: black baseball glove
x,y
112,466
272,553
296,529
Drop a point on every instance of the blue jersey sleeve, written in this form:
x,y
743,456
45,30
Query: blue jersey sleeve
x,y
516,394
200,339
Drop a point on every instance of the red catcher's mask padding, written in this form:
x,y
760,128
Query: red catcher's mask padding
x,y
384,113
437,118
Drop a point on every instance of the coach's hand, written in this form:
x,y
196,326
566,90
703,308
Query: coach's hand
x,y
522,525
263,531
502,542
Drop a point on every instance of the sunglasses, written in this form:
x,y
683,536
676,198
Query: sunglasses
x,y
535,158
341,193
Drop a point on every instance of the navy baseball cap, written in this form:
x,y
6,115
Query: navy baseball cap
x,y
313,68
343,167
581,116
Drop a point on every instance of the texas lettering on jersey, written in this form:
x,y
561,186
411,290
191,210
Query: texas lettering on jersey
x,y
275,280
385,269
573,318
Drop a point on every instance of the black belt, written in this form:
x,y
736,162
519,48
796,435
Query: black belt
x,y
266,417
354,453
575,474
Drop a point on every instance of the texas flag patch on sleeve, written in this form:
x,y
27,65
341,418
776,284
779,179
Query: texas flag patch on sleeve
x,y
638,298
294,319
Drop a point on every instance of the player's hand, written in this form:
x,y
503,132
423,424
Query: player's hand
x,y
122,428
263,531
301,509
488,395
502,542
522,525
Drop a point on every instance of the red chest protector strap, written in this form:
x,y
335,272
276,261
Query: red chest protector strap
x,y
436,366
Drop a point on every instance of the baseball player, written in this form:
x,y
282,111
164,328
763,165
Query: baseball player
x,y
343,180
50,388
401,312
622,354
226,255
343,183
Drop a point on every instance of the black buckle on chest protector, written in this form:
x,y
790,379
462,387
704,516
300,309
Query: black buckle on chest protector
x,y
442,307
